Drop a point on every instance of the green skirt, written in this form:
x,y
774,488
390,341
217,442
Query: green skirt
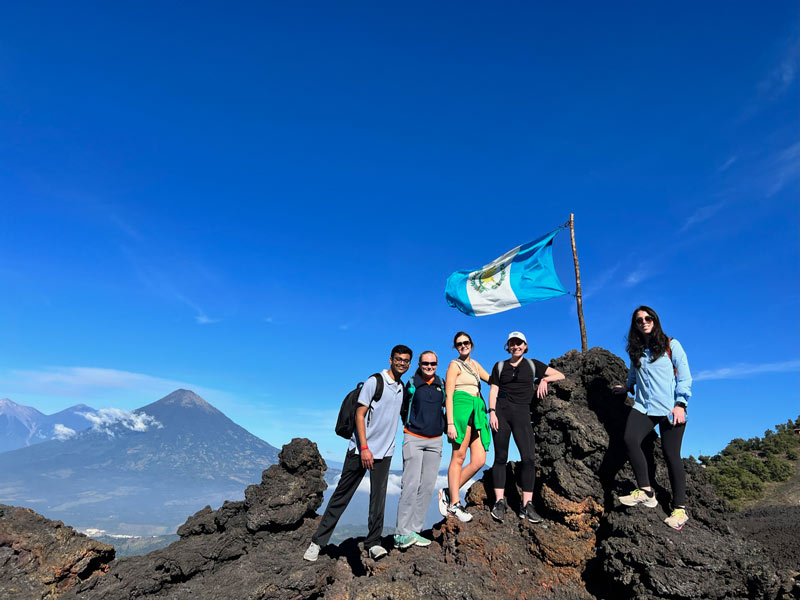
x,y
464,407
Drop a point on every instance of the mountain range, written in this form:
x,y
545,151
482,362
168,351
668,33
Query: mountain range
x,y
138,472
22,426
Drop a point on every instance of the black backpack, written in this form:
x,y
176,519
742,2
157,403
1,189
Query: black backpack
x,y
346,422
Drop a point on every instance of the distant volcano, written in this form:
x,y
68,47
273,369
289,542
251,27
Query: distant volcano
x,y
137,472
22,425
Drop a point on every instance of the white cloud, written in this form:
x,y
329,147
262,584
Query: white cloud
x,y
89,382
62,432
741,370
781,77
599,283
103,419
782,169
727,164
703,213
635,277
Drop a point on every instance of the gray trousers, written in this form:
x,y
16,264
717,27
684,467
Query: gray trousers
x,y
421,460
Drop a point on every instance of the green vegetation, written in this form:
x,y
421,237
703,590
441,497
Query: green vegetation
x,y
739,472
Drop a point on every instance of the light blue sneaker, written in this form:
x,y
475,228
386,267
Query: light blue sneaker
x,y
402,542
421,541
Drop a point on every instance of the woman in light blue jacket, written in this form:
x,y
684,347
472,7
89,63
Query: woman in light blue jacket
x,y
661,382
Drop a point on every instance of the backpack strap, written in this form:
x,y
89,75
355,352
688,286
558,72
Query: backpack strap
x,y
533,370
669,353
376,396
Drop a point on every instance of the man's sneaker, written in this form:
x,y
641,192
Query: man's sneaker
x,y
402,542
456,510
421,541
312,553
499,511
377,551
444,501
638,496
677,519
527,512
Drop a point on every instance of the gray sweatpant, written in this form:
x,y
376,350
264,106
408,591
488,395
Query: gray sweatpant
x,y
421,458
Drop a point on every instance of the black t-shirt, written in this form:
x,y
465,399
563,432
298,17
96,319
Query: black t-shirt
x,y
516,383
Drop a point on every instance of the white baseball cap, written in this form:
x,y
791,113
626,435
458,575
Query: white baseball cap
x,y
518,335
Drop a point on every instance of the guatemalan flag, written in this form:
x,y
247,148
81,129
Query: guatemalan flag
x,y
522,275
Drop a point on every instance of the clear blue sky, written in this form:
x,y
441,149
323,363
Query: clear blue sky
x,y
258,201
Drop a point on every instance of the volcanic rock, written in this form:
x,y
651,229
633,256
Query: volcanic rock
x,y
587,547
40,558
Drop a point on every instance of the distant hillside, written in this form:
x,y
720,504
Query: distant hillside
x,y
747,469
22,426
139,472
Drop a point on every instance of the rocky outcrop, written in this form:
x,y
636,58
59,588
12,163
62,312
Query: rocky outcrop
x,y
588,546
40,558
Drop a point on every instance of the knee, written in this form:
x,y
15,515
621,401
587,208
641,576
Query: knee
x,y
529,462
458,458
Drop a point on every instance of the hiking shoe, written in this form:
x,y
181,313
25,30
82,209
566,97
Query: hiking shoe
x,y
677,519
401,542
421,541
638,496
377,551
444,501
499,511
456,510
527,512
312,553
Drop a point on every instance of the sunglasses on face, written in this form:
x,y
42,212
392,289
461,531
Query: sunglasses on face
x,y
428,364
464,343
643,320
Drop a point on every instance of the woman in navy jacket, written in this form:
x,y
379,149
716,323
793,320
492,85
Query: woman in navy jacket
x,y
422,449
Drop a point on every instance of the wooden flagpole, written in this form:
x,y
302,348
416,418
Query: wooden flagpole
x,y
578,298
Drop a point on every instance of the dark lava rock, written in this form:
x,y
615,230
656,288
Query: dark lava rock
x,y
588,546
40,558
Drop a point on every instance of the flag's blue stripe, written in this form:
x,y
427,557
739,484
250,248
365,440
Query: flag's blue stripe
x,y
455,291
533,276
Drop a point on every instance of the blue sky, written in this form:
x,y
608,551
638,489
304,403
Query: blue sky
x,y
258,201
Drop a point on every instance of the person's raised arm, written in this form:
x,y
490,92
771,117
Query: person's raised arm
x,y
481,371
550,375
449,388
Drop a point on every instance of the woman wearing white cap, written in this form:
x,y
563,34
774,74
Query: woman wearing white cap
x,y
513,384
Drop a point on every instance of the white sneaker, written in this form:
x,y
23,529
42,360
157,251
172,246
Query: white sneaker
x,y
312,553
377,552
456,510
444,501
638,496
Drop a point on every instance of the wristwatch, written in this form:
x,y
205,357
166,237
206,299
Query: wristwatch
x,y
681,403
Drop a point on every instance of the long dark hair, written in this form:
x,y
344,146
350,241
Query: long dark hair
x,y
657,341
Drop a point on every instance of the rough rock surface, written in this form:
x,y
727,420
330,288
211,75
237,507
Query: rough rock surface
x,y
40,558
588,547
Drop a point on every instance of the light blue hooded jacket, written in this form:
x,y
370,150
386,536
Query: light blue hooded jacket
x,y
657,387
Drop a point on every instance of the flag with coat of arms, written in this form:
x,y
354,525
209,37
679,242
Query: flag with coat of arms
x,y
522,275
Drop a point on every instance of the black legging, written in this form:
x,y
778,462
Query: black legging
x,y
636,429
514,419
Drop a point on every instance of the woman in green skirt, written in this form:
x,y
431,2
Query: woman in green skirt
x,y
467,425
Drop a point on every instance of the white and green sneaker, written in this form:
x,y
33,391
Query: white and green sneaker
x,y
421,541
401,542
638,496
677,519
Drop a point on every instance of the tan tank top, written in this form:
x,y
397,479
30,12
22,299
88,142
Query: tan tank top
x,y
466,381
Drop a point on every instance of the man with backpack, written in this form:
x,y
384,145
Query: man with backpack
x,y
422,449
371,448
